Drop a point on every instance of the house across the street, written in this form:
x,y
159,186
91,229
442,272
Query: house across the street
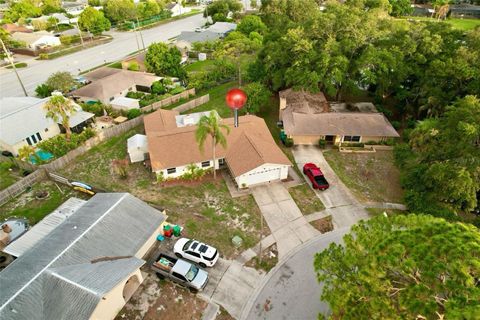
x,y
37,40
23,122
86,267
251,155
109,83
308,117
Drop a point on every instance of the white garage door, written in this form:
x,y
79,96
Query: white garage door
x,y
268,174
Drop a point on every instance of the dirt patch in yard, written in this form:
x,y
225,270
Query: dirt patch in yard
x,y
160,299
323,225
372,177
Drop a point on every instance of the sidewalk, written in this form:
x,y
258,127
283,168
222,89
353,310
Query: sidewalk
x,y
285,220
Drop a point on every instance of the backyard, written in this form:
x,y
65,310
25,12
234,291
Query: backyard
x,y
372,177
9,174
27,205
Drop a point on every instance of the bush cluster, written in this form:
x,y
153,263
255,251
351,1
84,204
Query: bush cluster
x,y
59,146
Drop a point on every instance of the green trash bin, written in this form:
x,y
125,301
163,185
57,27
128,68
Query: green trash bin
x,y
176,230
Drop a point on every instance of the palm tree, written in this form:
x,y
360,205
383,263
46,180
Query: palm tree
x,y
60,109
211,126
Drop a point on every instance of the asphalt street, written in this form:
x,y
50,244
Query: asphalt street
x,y
123,43
291,290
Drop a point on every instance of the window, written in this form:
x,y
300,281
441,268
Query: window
x,y
205,164
111,98
195,254
351,138
179,276
33,138
38,136
171,170
221,161
29,141
46,129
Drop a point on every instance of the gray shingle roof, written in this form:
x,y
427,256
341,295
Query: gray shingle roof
x,y
56,278
21,117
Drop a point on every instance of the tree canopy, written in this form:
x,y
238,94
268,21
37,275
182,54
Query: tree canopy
x,y
164,61
257,96
440,165
22,9
61,81
93,20
219,10
250,24
357,46
407,267
119,10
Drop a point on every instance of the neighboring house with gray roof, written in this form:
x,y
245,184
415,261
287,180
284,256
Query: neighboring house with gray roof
x,y
309,117
85,268
107,85
23,121
36,40
222,28
186,39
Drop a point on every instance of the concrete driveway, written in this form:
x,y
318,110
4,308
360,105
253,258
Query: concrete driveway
x,y
291,289
338,200
285,220
230,285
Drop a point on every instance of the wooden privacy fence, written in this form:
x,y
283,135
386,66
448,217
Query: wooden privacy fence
x,y
22,185
46,170
192,104
170,100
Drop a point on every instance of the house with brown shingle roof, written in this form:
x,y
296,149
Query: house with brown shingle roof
x,y
109,83
251,154
309,117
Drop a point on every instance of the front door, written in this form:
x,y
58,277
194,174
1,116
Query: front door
x,y
330,139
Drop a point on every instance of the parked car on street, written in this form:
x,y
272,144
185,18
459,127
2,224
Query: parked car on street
x,y
180,271
316,176
198,252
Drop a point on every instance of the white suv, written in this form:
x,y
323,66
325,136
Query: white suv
x,y
193,250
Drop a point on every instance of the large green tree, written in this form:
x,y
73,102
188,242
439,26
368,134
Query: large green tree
x,y
61,81
164,61
211,126
148,8
403,267
250,24
235,46
22,9
441,164
257,96
93,21
219,10
119,10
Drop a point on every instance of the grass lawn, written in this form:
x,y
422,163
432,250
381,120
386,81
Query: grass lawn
x,y
461,24
372,177
18,65
217,100
206,210
200,66
8,175
306,199
26,205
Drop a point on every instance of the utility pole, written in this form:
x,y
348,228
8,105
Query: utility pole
x,y
141,36
9,57
136,36
80,33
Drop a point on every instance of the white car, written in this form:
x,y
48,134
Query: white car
x,y
193,250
